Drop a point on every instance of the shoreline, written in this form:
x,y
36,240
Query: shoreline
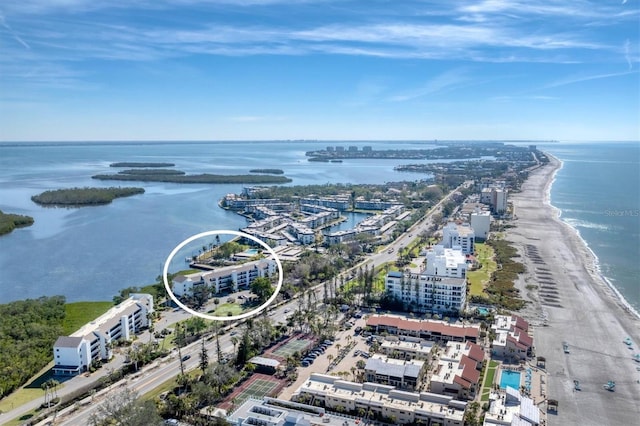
x,y
570,301
594,261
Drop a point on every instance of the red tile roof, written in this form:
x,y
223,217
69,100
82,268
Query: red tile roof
x,y
475,352
469,371
521,323
462,382
432,327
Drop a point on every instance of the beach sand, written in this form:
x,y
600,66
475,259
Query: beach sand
x,y
567,293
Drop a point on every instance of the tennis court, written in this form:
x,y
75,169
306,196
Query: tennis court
x,y
292,346
257,386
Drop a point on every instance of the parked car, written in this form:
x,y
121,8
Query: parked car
x,y
186,357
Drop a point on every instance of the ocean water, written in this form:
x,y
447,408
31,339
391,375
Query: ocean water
x,y
598,193
90,253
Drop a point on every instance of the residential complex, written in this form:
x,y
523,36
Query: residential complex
x,y
408,350
402,374
281,223
495,195
512,339
400,407
480,222
458,235
438,331
225,279
446,262
74,354
458,370
510,407
427,293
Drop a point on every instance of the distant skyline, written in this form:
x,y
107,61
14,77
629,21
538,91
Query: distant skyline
x,y
83,70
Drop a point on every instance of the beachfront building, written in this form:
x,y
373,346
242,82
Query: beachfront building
x,y
226,279
374,400
457,373
427,293
446,262
458,235
512,338
405,349
74,354
402,374
510,407
480,222
432,330
495,195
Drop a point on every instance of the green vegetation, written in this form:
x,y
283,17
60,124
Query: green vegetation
x,y
262,288
83,196
268,171
501,290
78,314
151,172
28,330
9,222
130,164
16,399
479,278
227,309
488,380
200,178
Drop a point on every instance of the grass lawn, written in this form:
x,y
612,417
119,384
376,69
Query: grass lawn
x,y
488,380
480,277
19,397
78,314
222,310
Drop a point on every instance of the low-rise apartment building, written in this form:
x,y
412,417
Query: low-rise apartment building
x,y
458,370
384,401
74,354
512,338
229,278
438,331
510,407
402,374
402,349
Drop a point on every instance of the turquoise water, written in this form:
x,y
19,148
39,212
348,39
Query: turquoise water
x,y
510,378
251,251
483,311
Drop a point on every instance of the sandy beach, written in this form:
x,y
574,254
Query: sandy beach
x,y
570,302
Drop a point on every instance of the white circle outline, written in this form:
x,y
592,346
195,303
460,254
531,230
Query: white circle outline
x,y
165,271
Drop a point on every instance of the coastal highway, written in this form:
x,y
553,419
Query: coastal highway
x,y
153,375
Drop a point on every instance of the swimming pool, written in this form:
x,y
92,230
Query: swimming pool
x,y
483,311
251,251
510,378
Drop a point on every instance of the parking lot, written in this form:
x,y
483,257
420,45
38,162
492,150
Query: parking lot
x,y
322,362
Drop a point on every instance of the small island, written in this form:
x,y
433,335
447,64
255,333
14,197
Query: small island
x,y
134,164
151,172
268,171
77,197
9,222
199,178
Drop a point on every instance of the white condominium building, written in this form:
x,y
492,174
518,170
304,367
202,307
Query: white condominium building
x,y
403,374
427,293
373,399
228,278
459,235
480,223
446,262
73,354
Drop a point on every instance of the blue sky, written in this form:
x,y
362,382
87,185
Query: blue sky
x,y
319,69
